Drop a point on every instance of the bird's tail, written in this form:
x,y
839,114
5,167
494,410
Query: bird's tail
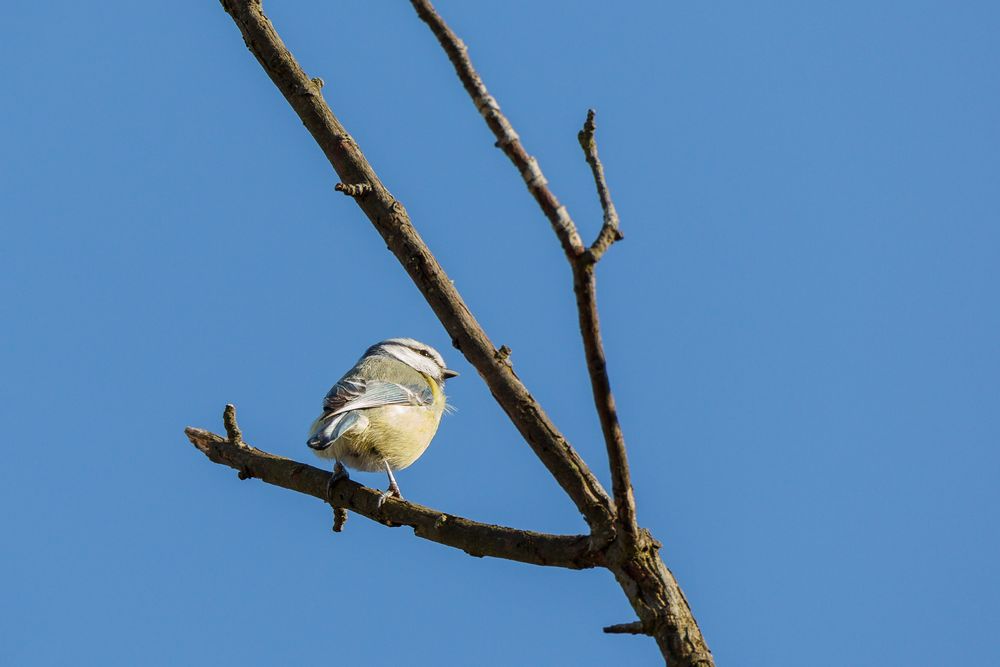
x,y
321,431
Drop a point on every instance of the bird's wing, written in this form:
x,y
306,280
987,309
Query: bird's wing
x,y
329,427
357,394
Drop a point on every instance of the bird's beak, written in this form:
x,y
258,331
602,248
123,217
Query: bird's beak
x,y
448,373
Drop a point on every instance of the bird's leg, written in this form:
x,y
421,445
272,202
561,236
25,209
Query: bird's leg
x,y
339,473
393,489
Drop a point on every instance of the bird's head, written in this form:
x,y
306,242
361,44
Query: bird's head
x,y
418,356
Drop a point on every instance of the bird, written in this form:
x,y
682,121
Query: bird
x,y
382,414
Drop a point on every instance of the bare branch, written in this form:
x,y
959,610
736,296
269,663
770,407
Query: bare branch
x,y
647,582
610,231
507,139
581,261
629,553
232,428
585,289
389,217
476,539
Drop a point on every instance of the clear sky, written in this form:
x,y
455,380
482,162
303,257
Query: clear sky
x,y
802,327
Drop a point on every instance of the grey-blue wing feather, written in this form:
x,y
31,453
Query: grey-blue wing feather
x,y
357,394
354,393
345,391
328,428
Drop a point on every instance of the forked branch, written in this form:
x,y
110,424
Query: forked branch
x,y
615,542
585,288
581,259
610,231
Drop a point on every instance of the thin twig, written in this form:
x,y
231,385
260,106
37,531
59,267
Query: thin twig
x,y
232,428
507,139
633,628
585,289
610,231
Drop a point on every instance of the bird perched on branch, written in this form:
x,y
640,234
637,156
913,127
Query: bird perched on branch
x,y
384,412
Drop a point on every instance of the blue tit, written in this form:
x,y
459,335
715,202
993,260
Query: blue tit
x,y
384,412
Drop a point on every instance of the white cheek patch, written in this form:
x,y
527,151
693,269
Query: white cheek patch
x,y
415,360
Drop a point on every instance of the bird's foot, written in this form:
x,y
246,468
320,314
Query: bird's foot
x,y
391,492
393,489
339,473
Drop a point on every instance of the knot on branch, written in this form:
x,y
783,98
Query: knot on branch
x,y
648,542
318,82
503,356
353,189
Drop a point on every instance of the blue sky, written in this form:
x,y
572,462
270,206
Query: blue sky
x,y
802,327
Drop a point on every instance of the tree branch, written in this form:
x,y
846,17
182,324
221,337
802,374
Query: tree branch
x,y
472,537
582,261
610,231
507,139
631,554
390,219
585,288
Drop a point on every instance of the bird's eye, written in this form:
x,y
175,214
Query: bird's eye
x,y
425,353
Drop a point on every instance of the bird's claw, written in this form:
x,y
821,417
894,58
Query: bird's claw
x,y
391,492
339,473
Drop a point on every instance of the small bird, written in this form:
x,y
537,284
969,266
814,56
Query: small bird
x,y
384,412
